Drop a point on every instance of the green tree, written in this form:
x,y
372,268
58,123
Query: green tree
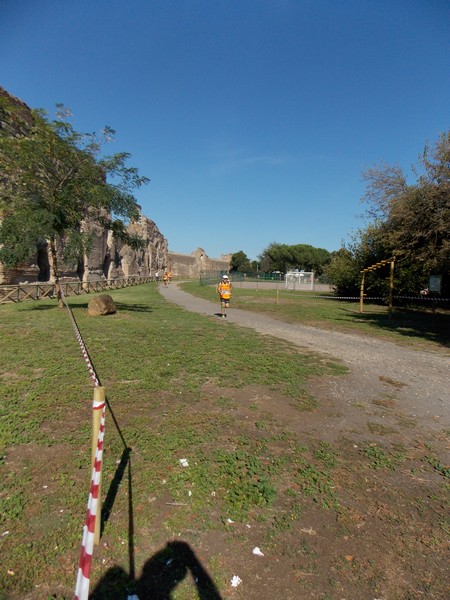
x,y
284,257
343,272
240,262
414,219
408,221
53,178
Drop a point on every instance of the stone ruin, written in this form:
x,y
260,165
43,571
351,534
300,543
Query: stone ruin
x,y
197,263
108,258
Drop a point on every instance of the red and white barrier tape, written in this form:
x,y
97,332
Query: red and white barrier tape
x,y
92,514
82,346
94,504
369,298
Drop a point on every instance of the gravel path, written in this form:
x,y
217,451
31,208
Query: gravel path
x,y
417,382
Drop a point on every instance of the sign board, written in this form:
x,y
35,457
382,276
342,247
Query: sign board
x,y
434,284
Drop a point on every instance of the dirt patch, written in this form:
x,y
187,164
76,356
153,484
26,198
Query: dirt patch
x,y
379,534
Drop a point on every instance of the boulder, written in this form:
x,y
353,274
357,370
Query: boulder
x,y
101,305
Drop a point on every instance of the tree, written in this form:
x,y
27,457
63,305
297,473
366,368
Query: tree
x,y
53,179
415,218
408,221
240,262
343,272
282,257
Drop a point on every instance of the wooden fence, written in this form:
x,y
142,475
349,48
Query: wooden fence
x,y
36,291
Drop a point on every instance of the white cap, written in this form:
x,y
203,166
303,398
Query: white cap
x,y
224,276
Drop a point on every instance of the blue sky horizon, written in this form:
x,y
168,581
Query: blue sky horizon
x,y
254,120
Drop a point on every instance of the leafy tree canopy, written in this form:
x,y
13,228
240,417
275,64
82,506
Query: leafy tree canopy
x,y
410,221
414,219
282,257
240,262
53,178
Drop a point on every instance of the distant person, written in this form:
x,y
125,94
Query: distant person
x,y
224,290
169,276
157,275
166,278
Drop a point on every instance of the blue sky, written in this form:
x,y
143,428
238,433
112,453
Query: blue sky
x,y
254,119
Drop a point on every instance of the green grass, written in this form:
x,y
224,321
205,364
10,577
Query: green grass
x,y
154,360
180,386
405,326
380,459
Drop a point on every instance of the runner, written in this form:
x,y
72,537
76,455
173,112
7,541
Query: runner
x,y
224,290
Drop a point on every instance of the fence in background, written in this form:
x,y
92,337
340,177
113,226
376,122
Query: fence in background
x,y
269,281
36,291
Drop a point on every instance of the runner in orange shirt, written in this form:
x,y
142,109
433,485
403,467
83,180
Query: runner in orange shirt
x,y
224,291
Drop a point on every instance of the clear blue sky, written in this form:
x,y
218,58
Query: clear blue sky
x,y
254,119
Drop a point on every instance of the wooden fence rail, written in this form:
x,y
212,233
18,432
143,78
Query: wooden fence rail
x,y
36,291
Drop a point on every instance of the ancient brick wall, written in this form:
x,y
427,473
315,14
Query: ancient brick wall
x,y
108,258
192,265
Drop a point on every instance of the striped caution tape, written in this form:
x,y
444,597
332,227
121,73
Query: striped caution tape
x,y
94,501
93,512
84,352
369,298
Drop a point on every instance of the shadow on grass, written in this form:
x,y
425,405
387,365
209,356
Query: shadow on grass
x,y
134,307
108,504
119,306
410,323
41,307
163,571
161,574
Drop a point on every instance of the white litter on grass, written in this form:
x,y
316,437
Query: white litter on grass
x,y
257,551
309,531
189,493
235,581
230,521
184,462
5,533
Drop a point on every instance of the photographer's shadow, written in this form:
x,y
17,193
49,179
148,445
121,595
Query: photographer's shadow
x,y
160,576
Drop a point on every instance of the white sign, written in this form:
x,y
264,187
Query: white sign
x,y
434,284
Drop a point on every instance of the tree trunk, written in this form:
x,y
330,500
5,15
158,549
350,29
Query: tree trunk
x,y
54,272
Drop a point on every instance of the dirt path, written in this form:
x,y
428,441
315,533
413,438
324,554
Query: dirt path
x,y
386,382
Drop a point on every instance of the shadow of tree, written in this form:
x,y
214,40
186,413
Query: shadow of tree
x,y
160,576
134,307
409,323
119,306
42,307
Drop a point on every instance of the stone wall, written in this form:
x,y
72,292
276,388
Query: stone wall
x,y
192,265
108,258
123,261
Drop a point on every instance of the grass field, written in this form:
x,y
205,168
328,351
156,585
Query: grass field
x,y
332,521
423,328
